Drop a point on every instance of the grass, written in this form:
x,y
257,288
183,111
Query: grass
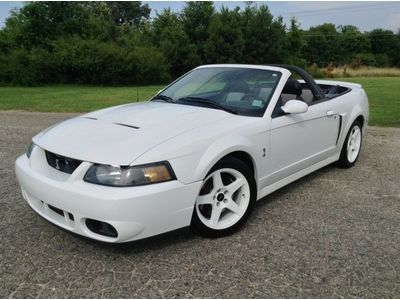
x,y
383,94
384,99
66,98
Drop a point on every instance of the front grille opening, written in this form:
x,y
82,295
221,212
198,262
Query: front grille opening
x,y
101,228
56,210
62,163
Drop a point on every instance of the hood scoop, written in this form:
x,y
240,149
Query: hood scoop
x,y
126,125
120,124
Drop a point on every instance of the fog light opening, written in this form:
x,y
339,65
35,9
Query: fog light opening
x,y
101,228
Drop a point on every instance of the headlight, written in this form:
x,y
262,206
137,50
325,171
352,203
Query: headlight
x,y
30,149
129,176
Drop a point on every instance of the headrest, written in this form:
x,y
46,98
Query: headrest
x,y
239,86
292,87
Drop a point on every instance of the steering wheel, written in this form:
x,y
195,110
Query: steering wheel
x,y
248,97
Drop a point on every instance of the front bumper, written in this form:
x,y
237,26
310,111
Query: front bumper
x,y
135,212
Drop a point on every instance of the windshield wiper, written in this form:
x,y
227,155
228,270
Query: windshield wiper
x,y
163,98
206,102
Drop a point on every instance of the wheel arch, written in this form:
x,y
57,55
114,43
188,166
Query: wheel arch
x,y
244,157
238,147
360,118
356,113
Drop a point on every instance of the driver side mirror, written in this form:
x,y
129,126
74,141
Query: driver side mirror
x,y
295,107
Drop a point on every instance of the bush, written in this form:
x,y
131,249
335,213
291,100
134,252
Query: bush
x,y
315,71
23,67
382,60
147,65
95,62
362,59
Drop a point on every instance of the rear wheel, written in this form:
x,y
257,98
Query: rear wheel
x,y
351,146
225,200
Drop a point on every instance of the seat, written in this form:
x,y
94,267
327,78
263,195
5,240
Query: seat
x,y
292,90
235,91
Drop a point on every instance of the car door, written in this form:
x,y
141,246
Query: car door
x,y
298,141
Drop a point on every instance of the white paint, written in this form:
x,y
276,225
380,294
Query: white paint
x,y
192,139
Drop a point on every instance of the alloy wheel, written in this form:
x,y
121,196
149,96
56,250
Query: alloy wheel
x,y
354,144
223,199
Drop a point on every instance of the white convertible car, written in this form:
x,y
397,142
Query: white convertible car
x,y
199,153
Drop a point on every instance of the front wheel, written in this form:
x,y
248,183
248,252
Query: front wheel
x,y
351,146
225,200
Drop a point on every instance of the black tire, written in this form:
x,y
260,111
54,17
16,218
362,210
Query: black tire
x,y
343,161
200,228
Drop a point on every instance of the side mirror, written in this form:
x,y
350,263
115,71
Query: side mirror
x,y
295,107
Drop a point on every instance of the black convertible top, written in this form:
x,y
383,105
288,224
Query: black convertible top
x,y
314,87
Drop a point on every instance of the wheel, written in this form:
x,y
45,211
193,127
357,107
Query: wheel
x,y
351,146
225,200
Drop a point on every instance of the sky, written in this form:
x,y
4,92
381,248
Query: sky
x,y
366,15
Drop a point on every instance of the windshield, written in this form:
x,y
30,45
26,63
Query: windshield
x,y
243,91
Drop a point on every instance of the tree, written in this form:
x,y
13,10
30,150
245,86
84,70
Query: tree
x,y
173,42
322,45
296,44
225,43
265,40
196,18
117,42
128,12
385,46
353,44
37,22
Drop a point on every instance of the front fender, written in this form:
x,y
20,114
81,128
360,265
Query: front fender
x,y
194,153
222,147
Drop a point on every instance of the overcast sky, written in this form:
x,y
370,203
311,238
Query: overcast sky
x,y
366,15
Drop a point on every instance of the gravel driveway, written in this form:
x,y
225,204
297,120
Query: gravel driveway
x,y
334,233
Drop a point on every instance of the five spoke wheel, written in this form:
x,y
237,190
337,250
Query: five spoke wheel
x,y
351,146
354,144
225,198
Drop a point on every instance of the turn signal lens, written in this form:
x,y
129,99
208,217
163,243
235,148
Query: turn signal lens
x,y
156,173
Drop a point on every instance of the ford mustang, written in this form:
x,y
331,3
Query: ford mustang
x,y
200,153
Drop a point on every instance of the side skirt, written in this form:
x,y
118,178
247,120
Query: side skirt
x,y
285,181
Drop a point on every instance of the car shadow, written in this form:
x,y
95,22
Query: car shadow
x,y
161,241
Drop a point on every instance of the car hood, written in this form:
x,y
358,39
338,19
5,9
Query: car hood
x,y
119,135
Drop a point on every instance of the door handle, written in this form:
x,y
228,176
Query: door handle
x,y
330,113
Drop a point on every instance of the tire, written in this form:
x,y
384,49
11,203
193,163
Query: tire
x,y
225,200
351,146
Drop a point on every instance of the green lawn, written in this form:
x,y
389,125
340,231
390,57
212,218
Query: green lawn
x,y
71,98
384,99
383,93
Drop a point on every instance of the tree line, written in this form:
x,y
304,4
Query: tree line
x,y
118,43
